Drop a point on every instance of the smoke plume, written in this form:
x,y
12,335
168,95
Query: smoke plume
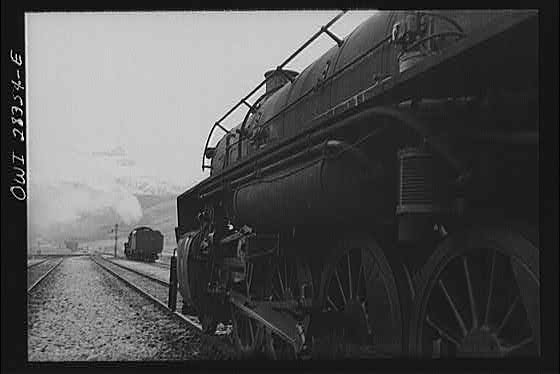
x,y
79,210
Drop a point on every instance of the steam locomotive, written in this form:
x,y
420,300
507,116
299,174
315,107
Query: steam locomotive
x,y
71,245
384,201
143,244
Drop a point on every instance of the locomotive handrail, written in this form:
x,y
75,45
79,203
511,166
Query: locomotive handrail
x,y
323,29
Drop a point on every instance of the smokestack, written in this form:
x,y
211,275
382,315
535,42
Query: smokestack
x,y
277,78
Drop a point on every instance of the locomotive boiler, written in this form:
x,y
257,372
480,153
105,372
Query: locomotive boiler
x,y
143,244
384,201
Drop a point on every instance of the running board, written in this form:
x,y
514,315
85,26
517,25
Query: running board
x,y
281,324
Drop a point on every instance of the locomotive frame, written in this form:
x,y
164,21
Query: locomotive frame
x,y
366,204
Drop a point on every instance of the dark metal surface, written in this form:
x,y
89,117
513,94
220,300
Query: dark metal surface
x,y
485,46
321,153
172,298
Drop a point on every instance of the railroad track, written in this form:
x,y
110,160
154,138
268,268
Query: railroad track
x,y
162,265
82,312
156,291
37,263
147,276
34,280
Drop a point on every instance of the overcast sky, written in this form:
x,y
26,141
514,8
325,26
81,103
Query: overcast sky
x,y
143,88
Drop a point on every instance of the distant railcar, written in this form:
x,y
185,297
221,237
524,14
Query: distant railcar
x,y
143,244
71,245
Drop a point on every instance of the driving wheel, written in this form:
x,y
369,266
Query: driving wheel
x,y
479,297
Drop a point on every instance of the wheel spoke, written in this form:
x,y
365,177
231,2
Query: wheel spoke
x,y
251,330
332,303
471,296
249,275
508,314
249,279
490,288
349,275
340,285
441,331
455,311
281,283
517,346
374,270
360,272
286,273
271,345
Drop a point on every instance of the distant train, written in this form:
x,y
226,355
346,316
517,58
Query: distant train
x,y
143,244
71,245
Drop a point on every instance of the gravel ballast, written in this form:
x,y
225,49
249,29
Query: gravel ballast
x,y
81,312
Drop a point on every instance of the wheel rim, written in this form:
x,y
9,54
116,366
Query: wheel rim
x,y
479,305
360,287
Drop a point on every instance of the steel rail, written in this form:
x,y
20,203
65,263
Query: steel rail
x,y
157,280
213,340
162,265
163,283
146,294
30,288
37,263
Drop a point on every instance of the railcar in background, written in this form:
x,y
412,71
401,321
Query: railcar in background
x,y
143,244
71,245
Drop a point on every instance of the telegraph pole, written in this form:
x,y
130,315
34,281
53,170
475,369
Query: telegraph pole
x,y
116,230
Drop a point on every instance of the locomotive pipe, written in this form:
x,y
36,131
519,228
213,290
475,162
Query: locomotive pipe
x,y
289,146
284,148
307,153
300,156
518,138
172,297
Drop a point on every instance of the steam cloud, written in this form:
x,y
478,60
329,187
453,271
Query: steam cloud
x,y
128,208
75,194
79,209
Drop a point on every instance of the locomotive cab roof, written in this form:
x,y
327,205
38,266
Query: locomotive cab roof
x,y
141,228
